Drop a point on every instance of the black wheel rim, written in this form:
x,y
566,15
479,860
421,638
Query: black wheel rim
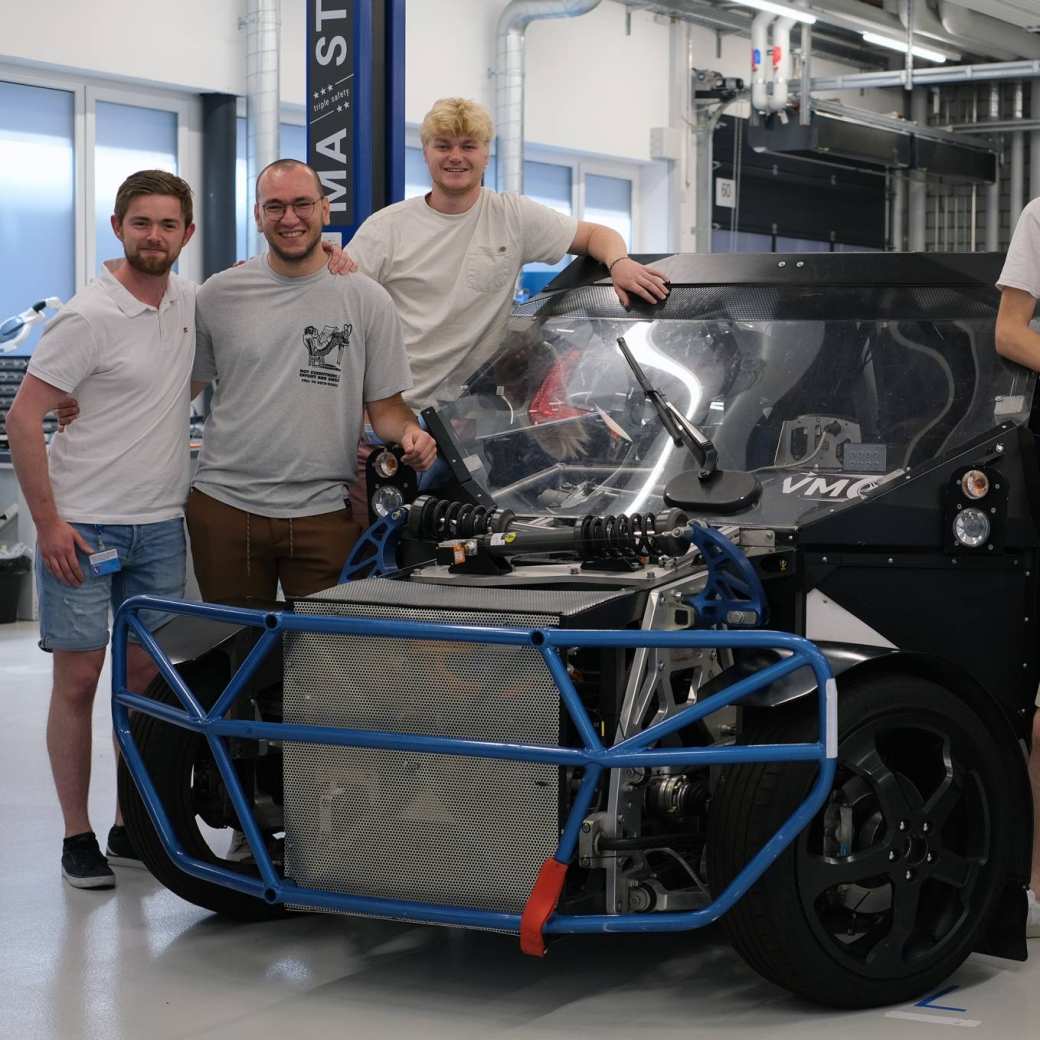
x,y
906,889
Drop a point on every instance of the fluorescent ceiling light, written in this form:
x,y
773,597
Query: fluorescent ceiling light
x,y
781,9
900,45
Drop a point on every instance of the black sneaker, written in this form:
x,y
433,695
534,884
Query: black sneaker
x,y
120,851
82,864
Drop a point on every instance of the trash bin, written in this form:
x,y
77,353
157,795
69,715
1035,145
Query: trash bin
x,y
15,564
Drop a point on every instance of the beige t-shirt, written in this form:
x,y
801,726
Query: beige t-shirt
x,y
294,360
125,460
1022,265
452,277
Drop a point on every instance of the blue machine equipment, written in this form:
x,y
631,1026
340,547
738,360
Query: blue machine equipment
x,y
641,751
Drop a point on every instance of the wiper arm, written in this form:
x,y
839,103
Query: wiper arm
x,y
707,489
683,432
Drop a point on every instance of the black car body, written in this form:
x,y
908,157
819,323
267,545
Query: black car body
x,y
887,513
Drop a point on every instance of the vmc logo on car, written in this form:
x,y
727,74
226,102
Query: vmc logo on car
x,y
824,489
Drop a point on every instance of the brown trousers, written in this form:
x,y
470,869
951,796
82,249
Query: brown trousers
x,y
241,557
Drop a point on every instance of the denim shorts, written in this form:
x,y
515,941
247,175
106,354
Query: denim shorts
x,y
75,617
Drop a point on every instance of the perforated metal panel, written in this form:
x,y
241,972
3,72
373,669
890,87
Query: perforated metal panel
x,y
445,829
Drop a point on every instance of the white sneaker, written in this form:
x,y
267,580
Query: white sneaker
x,y
239,850
1033,919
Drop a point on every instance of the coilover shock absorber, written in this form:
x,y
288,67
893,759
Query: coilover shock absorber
x,y
440,519
635,534
496,533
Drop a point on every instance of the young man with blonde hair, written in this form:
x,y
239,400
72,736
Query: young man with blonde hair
x,y
108,502
450,259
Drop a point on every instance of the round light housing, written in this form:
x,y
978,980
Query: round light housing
x,y
971,528
975,484
386,499
386,464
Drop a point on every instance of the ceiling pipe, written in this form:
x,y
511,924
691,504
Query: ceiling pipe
x,y
1017,164
917,194
928,25
859,17
1025,68
989,34
737,21
509,79
782,64
263,104
992,229
898,203
759,50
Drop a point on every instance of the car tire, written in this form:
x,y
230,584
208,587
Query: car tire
x,y
885,907
171,755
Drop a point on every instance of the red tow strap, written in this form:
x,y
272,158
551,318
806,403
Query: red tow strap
x,y
540,905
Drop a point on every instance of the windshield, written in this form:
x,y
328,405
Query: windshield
x,y
820,410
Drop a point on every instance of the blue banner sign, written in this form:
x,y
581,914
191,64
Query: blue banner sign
x,y
332,103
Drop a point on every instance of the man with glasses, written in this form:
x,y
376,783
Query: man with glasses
x,y
297,355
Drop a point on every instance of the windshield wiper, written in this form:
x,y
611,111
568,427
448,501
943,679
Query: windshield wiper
x,y
680,429
707,489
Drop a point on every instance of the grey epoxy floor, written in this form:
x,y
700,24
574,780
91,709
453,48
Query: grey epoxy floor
x,y
137,963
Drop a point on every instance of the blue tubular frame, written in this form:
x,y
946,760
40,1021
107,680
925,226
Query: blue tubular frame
x,y
593,757
375,552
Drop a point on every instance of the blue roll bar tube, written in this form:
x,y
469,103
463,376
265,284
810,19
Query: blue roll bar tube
x,y
593,757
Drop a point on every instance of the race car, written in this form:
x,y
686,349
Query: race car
x,y
723,608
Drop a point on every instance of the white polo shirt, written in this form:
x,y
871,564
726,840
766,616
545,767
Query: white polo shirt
x,y
125,460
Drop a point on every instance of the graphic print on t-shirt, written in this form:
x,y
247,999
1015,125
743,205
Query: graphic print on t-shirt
x,y
320,344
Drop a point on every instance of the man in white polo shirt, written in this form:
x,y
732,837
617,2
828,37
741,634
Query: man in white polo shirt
x,y
1017,340
115,481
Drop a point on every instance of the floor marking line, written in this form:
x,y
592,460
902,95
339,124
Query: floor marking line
x,y
929,1002
939,1020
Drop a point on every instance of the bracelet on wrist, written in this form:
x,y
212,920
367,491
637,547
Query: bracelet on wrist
x,y
616,260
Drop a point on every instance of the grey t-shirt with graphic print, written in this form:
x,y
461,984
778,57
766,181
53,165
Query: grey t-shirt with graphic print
x,y
294,361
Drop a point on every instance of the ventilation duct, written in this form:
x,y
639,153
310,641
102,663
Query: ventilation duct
x,y
509,79
778,56
782,64
860,17
955,25
263,28
759,55
987,32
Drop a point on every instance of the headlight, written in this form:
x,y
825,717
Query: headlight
x,y
975,484
386,464
971,528
386,499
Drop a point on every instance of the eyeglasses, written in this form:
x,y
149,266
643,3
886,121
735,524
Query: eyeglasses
x,y
303,208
